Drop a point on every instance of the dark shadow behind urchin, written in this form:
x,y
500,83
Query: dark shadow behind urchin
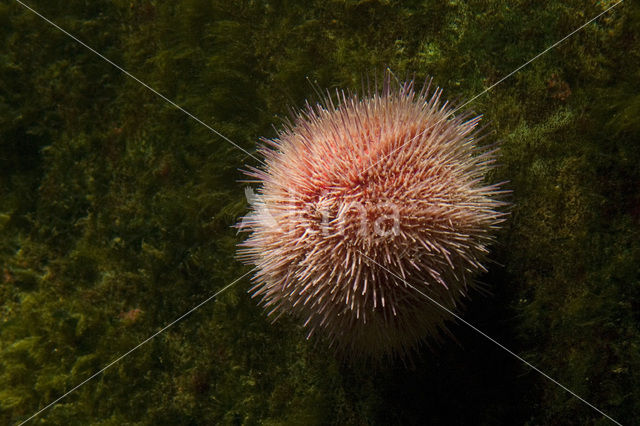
x,y
404,148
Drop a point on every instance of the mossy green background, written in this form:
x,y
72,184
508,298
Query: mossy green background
x,y
116,210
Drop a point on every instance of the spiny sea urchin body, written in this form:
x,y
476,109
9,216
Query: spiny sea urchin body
x,y
363,205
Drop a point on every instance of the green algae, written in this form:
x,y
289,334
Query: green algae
x,y
116,210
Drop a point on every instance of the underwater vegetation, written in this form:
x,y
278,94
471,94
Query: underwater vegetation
x,y
117,210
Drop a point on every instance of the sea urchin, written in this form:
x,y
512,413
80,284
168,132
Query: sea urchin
x,y
362,202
